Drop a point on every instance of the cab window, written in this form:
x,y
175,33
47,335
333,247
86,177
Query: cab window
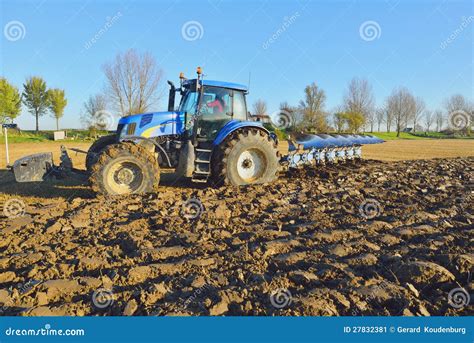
x,y
216,102
189,103
240,110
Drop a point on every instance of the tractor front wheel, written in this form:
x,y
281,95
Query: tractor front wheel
x,y
249,156
96,148
125,168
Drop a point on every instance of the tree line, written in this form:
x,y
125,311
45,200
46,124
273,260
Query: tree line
x,y
358,112
36,97
133,85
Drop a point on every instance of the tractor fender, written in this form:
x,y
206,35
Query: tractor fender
x,y
141,138
235,125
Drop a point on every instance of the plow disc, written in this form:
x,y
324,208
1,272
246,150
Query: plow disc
x,y
322,148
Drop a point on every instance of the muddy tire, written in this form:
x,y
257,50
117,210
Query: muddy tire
x,y
125,168
248,156
96,148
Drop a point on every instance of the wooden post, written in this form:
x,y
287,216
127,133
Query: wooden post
x,y
6,146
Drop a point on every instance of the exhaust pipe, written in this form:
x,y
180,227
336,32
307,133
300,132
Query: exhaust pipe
x,y
171,97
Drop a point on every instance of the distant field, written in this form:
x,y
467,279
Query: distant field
x,y
393,135
47,136
18,150
391,150
417,136
398,150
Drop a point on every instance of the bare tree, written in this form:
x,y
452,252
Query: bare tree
x,y
460,112
401,104
259,108
133,82
359,97
455,103
418,110
312,108
429,119
339,121
370,120
388,116
94,109
380,117
439,117
295,115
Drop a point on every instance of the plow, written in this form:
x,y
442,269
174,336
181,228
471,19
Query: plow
x,y
209,137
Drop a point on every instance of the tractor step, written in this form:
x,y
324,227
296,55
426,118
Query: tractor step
x,y
203,150
202,165
199,180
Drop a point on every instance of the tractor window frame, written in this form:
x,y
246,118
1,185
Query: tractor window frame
x,y
185,104
243,115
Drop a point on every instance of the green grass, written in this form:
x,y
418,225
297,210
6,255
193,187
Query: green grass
x,y
393,135
281,134
441,135
47,136
418,135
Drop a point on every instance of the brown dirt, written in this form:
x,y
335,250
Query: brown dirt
x,y
398,150
18,150
372,238
395,150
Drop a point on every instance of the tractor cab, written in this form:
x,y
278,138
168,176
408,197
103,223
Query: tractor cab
x,y
209,105
210,108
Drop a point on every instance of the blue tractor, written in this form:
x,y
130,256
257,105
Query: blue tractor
x,y
209,136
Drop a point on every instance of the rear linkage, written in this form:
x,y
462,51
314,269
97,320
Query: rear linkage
x,y
40,167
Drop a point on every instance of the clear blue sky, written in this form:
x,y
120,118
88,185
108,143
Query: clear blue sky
x,y
322,43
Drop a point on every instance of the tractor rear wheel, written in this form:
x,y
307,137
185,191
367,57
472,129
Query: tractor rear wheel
x,y
125,168
96,148
249,156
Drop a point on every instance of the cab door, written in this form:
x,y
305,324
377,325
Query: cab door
x,y
216,111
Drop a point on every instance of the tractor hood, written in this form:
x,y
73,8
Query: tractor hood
x,y
151,124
